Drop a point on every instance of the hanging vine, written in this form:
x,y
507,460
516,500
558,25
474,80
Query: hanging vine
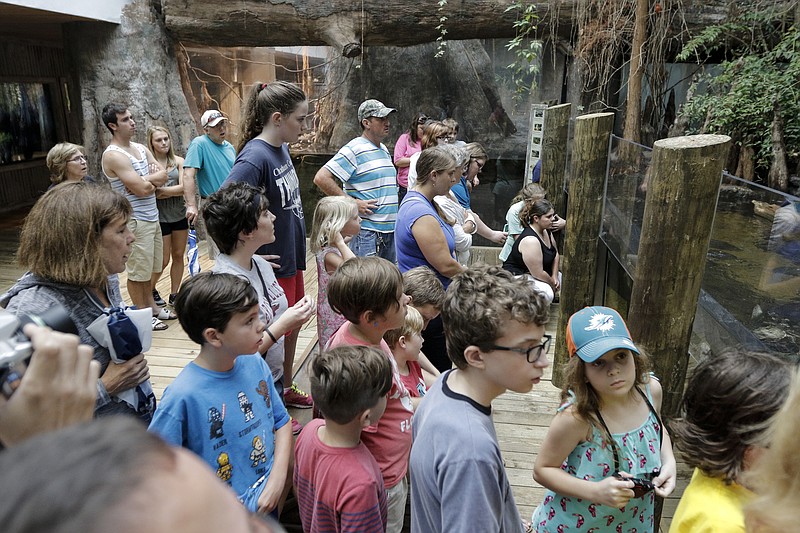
x,y
441,42
525,68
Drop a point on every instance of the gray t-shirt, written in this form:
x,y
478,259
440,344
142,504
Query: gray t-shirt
x,y
458,481
172,209
272,300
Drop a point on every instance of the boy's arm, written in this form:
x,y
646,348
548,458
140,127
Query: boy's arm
x,y
426,365
276,482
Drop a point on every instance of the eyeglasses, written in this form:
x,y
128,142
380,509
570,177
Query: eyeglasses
x,y
445,138
422,121
78,159
532,354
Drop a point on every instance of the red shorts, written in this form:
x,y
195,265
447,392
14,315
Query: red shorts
x,y
294,288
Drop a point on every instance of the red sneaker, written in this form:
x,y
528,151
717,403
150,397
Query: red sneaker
x,y
297,427
294,397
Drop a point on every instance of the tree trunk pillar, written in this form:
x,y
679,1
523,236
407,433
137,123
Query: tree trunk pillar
x,y
554,153
587,181
678,216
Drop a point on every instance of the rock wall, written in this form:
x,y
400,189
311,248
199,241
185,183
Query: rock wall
x,y
460,85
133,63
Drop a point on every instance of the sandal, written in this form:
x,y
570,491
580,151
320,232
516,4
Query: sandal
x,y
166,314
158,325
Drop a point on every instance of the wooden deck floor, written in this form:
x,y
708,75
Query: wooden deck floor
x,y
521,420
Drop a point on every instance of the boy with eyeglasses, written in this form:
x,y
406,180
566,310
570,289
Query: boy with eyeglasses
x,y
494,326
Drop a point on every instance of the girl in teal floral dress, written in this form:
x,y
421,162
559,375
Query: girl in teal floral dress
x,y
607,432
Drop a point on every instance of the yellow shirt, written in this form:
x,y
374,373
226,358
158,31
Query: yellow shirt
x,y
708,505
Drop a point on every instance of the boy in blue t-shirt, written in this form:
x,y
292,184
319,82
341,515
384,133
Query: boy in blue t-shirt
x,y
223,405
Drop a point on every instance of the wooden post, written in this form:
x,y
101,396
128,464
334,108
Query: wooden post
x,y
678,215
587,181
554,153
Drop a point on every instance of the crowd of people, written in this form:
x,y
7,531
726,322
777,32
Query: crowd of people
x,y
414,346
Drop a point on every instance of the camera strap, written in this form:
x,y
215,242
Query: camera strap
x,y
614,447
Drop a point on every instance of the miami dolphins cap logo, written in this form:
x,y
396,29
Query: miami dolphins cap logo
x,y
593,331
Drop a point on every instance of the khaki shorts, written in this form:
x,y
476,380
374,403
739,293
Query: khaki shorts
x,y
147,250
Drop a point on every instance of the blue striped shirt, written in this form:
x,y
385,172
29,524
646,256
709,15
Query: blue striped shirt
x,y
368,173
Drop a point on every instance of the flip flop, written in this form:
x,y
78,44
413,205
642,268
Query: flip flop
x,y
158,325
166,314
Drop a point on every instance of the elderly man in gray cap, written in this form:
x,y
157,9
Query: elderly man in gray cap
x,y
365,168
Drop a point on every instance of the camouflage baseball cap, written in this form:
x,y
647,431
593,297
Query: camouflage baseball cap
x,y
373,108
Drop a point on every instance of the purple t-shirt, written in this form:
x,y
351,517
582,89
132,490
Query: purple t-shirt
x,y
269,167
409,255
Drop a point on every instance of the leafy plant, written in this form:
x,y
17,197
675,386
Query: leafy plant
x,y
525,68
739,96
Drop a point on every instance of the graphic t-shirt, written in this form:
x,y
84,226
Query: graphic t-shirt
x,y
272,302
228,418
270,168
414,382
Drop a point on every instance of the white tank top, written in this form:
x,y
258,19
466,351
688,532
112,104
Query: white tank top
x,y
144,207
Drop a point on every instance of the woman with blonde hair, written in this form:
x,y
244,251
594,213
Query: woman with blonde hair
x,y
67,162
171,211
74,240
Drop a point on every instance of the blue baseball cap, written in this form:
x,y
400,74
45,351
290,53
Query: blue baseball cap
x,y
594,331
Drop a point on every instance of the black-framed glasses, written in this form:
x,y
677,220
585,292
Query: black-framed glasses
x,y
532,354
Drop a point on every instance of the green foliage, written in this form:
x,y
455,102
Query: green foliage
x,y
737,99
525,68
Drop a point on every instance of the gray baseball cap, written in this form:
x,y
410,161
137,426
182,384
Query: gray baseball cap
x,y
373,108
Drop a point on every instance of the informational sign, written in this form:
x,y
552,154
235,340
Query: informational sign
x,y
535,139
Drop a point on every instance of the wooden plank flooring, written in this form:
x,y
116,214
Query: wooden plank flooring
x,y
521,419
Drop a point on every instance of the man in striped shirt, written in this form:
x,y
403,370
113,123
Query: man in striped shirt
x,y
367,172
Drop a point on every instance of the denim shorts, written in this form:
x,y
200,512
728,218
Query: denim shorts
x,y
369,242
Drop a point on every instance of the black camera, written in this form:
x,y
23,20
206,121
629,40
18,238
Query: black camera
x,y
15,346
641,485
